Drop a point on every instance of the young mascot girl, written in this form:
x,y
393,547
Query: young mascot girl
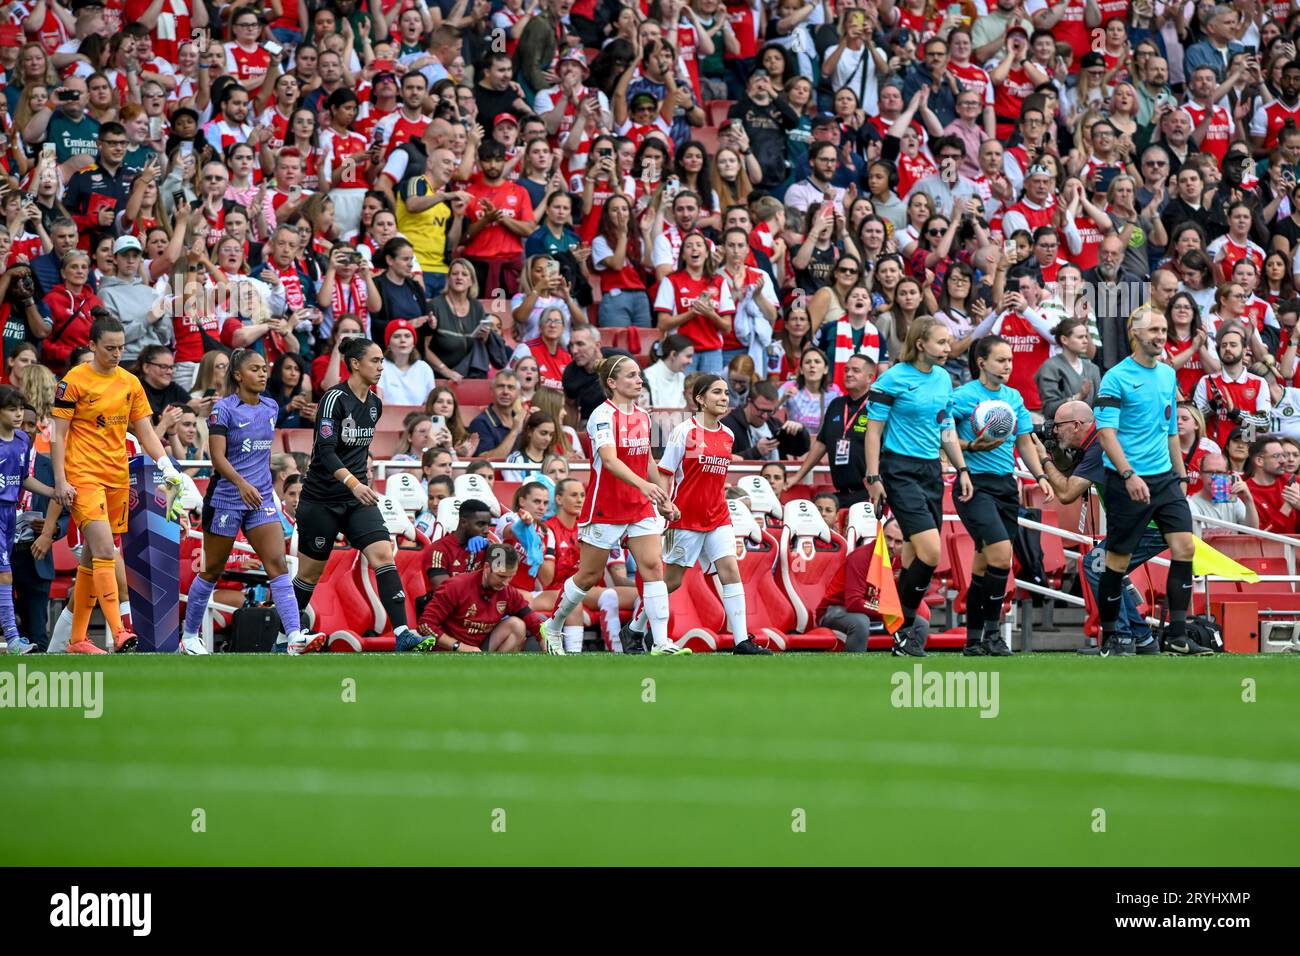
x,y
697,457
625,490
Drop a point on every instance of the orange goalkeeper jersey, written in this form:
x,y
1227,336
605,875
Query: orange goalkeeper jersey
x,y
100,408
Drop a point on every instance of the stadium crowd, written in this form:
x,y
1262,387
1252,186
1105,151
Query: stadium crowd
x,y
505,193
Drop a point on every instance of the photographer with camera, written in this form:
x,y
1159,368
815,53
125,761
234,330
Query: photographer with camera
x,y
1071,439
23,321
348,289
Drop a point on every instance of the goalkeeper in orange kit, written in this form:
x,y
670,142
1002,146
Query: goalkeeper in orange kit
x,y
93,407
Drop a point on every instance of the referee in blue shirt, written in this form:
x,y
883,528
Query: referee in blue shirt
x,y
909,412
1138,429
992,516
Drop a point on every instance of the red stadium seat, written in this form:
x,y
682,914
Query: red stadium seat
x,y
767,609
65,569
808,563
960,548
505,492
473,391
338,605
297,439
384,444
393,417
715,111
696,618
1240,546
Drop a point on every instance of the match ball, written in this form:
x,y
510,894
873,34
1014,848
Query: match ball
x,y
994,419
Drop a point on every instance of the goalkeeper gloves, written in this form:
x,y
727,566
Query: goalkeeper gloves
x,y
476,544
173,486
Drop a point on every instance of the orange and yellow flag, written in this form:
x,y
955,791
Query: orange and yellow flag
x,y
882,593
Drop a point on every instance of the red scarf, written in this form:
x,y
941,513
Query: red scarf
x,y
350,299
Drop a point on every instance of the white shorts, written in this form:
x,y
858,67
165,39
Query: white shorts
x,y
686,548
610,536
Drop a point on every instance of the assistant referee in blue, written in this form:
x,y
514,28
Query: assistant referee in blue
x,y
1137,425
992,516
909,418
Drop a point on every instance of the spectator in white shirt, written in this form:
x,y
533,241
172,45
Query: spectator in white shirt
x,y
1223,495
665,377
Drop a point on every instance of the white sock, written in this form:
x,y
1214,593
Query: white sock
x,y
608,605
62,632
733,603
573,638
655,596
569,601
124,611
639,621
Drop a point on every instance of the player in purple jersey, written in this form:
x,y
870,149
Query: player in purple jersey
x,y
241,432
15,468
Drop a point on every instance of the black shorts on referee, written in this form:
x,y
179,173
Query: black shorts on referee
x,y
914,490
319,522
992,514
1127,520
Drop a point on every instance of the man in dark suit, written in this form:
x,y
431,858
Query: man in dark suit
x,y
758,436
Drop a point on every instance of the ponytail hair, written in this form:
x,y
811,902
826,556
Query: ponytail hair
x,y
606,370
353,351
238,359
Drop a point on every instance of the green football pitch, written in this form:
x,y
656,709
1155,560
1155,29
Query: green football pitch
x,y
458,759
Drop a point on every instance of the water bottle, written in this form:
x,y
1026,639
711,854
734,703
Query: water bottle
x,y
774,355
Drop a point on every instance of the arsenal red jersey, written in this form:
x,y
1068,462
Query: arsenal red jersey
x,y
550,367
611,500
496,241
698,459
249,68
337,147
1249,394
568,551
466,610
1191,373
676,293
449,555
1269,120
1219,132
1030,350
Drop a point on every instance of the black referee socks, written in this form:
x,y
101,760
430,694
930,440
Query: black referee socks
x,y
995,592
1178,596
975,595
392,595
913,584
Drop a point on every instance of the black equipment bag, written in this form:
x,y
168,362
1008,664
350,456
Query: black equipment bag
x,y
253,630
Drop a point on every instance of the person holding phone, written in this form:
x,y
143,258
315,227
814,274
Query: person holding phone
x,y
1223,494
348,289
